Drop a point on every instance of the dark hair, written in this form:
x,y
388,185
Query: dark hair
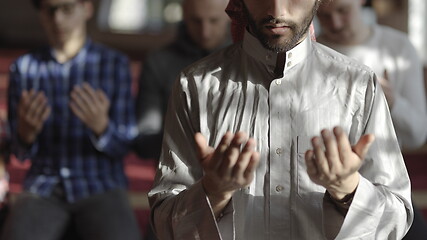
x,y
37,3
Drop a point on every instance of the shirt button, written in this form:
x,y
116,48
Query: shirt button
x,y
65,172
278,81
290,55
279,188
278,151
289,64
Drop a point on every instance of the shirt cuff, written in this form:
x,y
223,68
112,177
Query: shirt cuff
x,y
198,220
225,221
24,151
102,141
360,209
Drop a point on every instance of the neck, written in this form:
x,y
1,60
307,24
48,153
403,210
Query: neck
x,y
69,49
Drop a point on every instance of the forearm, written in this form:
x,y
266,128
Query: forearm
x,y
218,202
187,215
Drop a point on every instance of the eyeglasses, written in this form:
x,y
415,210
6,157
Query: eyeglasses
x,y
65,8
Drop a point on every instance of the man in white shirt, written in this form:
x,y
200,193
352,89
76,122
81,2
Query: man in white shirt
x,y
392,57
262,103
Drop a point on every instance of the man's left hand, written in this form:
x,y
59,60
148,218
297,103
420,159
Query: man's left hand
x,y
334,164
91,106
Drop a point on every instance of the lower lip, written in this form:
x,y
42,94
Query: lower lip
x,y
278,30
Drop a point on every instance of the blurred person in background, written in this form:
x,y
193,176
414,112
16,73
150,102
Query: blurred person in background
x,y
71,113
393,58
205,29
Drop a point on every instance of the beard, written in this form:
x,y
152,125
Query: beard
x,y
271,42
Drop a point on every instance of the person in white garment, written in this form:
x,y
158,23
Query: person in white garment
x,y
279,137
392,57
390,54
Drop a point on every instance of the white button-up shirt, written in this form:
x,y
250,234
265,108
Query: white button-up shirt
x,y
391,51
236,90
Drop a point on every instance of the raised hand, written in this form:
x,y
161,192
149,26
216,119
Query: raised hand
x,y
228,167
91,107
387,88
33,111
334,164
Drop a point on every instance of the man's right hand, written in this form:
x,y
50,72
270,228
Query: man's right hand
x,y
227,168
33,110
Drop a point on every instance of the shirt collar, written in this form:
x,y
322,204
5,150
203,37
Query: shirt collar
x,y
253,47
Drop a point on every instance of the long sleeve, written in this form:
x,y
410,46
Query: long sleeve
x,y
121,131
18,148
384,189
409,111
180,208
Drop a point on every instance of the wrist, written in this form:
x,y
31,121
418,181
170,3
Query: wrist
x,y
346,188
215,195
26,139
217,199
100,129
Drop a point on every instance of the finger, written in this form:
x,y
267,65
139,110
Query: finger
x,y
38,106
331,152
25,99
77,110
82,100
311,166
89,92
319,157
46,113
244,158
202,148
24,95
220,150
363,145
344,146
252,165
102,97
22,104
232,153
35,105
31,93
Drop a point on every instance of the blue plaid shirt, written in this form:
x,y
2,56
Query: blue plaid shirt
x,y
66,151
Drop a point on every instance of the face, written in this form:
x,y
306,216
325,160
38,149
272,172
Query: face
x,y
64,20
280,24
206,21
341,20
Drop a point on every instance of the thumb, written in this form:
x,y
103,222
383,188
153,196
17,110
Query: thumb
x,y
362,146
203,150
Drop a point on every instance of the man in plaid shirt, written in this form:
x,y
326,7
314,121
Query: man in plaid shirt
x,y
71,113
